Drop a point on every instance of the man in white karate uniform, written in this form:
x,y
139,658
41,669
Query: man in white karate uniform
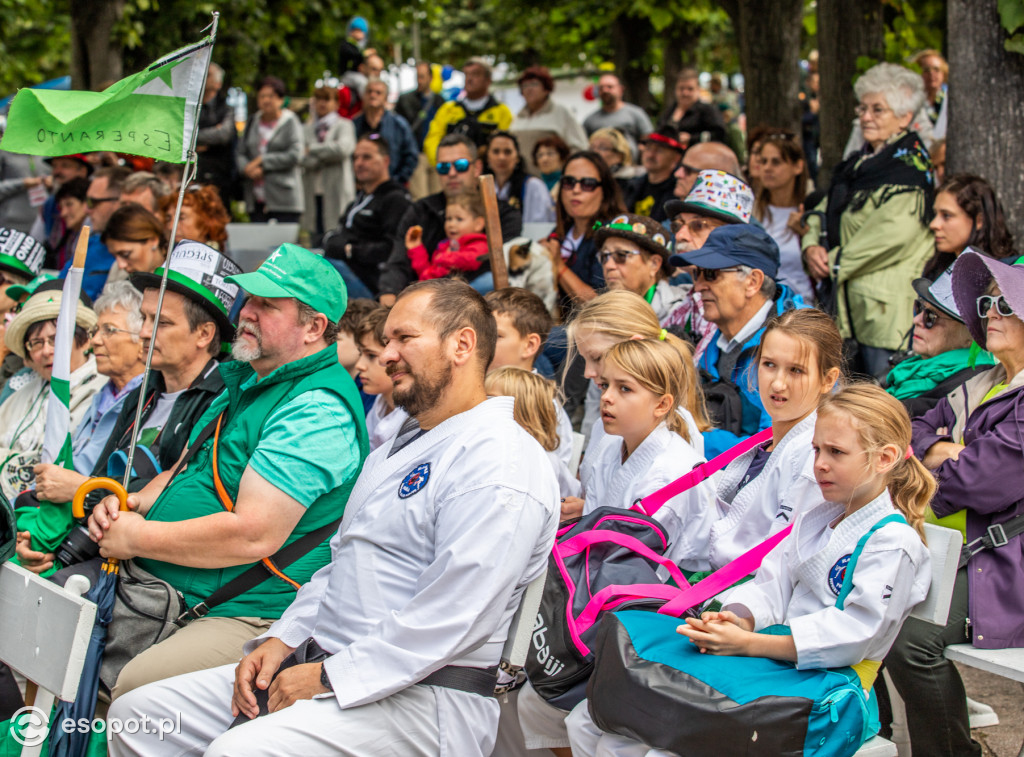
x,y
444,529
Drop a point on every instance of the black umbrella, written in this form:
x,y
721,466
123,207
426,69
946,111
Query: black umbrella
x,y
76,743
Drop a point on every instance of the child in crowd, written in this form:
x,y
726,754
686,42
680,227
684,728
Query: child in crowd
x,y
383,419
465,250
535,411
647,445
523,327
866,471
616,317
761,492
348,328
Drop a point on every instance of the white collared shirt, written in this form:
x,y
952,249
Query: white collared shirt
x,y
749,329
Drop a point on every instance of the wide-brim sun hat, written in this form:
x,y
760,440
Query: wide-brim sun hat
x,y
973,273
42,306
199,273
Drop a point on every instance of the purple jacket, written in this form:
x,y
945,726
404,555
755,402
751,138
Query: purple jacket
x,y
988,482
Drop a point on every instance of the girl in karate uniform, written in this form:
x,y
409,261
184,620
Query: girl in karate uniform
x,y
799,361
616,317
865,471
535,411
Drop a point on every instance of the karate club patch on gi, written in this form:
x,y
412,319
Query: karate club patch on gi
x,y
415,481
837,574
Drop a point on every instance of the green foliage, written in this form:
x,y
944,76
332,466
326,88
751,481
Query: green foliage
x,y
35,42
1011,16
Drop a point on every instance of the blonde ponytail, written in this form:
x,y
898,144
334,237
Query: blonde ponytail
x,y
882,420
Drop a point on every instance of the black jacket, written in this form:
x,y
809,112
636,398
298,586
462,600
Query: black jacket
x,y
699,118
411,107
647,199
429,213
368,232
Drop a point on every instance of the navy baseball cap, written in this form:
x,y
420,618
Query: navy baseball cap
x,y
732,245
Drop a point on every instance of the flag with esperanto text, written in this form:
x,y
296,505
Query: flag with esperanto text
x,y
152,113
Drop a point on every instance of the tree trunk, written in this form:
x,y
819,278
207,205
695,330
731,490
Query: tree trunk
x,y
679,50
768,37
631,35
847,29
96,54
986,105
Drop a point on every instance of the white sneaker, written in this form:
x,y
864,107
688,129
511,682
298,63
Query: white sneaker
x,y
980,714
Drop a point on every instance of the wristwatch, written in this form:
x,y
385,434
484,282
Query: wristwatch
x,y
324,680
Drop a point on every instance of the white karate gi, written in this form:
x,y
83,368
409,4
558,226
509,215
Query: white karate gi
x,y
798,585
382,428
427,570
660,459
784,488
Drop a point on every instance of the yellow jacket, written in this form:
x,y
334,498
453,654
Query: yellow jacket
x,y
494,117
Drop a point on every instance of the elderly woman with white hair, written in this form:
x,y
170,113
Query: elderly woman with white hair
x,y
876,217
120,357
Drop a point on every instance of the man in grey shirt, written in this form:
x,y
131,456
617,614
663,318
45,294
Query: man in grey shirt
x,y
614,113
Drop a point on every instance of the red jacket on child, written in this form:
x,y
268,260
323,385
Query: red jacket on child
x,y
467,254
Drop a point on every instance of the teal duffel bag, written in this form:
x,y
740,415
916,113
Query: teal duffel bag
x,y
653,685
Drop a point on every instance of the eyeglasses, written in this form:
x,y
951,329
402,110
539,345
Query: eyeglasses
x,y
930,316
461,166
876,111
689,170
92,202
986,301
106,331
695,225
34,345
710,274
587,184
619,256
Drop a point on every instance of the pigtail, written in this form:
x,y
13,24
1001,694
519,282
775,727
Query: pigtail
x,y
911,487
692,395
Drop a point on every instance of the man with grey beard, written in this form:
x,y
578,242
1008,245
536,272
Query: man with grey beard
x,y
271,462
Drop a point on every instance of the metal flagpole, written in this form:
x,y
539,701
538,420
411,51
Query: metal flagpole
x,y
188,174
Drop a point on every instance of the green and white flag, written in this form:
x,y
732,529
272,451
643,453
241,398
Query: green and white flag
x,y
152,113
57,435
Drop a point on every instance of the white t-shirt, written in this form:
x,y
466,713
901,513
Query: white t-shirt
x,y
791,272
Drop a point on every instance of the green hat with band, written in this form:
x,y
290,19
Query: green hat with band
x,y
201,274
20,254
293,271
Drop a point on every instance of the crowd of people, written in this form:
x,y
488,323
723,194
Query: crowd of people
x,y
389,437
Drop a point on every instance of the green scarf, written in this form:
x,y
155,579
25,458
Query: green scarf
x,y
916,375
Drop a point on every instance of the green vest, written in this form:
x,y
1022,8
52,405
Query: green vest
x,y
192,495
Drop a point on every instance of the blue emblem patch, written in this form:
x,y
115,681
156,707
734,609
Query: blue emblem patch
x,y
837,574
415,481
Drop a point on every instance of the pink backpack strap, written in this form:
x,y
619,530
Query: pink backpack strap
x,y
586,539
650,504
724,577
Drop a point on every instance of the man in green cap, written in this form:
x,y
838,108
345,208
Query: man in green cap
x,y
275,457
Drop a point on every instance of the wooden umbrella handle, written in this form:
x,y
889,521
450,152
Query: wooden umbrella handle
x,y
499,270
78,502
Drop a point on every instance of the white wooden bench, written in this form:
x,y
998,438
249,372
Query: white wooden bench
x,y
1008,663
944,545
44,635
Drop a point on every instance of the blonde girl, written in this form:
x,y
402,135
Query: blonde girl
x,y
535,411
616,317
799,360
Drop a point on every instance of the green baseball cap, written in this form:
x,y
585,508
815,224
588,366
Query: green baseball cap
x,y
293,271
17,291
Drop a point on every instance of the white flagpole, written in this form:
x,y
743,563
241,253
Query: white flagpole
x,y
188,174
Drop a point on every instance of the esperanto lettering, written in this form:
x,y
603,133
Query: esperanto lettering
x,y
95,138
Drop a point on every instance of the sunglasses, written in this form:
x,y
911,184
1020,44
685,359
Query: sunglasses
x,y
586,185
986,301
710,274
695,225
92,202
930,316
619,256
461,166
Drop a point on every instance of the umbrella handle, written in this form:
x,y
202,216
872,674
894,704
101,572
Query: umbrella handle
x,y
78,502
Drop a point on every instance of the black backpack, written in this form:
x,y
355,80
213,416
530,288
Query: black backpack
x,y
471,125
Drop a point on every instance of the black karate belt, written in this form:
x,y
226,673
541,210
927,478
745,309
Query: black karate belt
x,y
471,680
995,536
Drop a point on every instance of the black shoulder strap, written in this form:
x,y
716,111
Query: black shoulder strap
x,y
996,535
259,573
